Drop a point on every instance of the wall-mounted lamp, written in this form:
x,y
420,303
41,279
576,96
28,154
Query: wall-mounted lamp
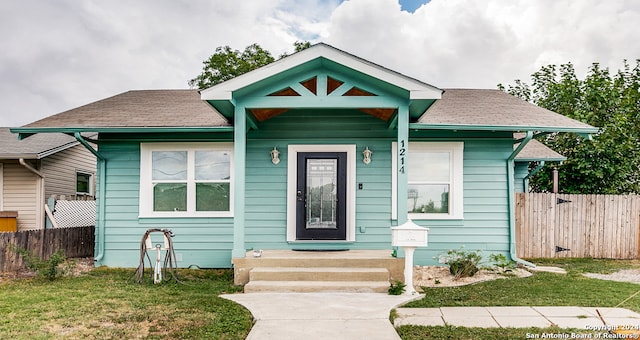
x,y
366,155
275,156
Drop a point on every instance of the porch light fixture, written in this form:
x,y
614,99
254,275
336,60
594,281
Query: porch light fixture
x,y
275,156
366,155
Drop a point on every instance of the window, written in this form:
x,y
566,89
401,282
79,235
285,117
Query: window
x,y
186,179
435,181
84,183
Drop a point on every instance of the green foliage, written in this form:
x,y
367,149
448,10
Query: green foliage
x,y
227,63
49,269
411,332
609,163
501,262
397,287
462,263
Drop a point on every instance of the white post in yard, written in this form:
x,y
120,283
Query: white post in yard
x,y
409,236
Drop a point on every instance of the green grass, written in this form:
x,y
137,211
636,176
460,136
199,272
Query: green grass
x,y
541,289
107,304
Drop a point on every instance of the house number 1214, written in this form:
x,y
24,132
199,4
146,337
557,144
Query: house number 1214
x,y
401,152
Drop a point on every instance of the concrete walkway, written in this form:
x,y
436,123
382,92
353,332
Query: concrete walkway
x,y
321,315
344,316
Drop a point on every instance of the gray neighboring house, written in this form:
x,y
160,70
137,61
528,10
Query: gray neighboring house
x,y
33,169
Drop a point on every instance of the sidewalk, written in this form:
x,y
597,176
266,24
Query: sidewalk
x,y
366,316
518,317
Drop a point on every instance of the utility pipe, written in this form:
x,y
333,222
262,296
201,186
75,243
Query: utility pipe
x,y
30,168
102,167
511,194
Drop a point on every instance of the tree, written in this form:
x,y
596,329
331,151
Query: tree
x,y
226,63
608,164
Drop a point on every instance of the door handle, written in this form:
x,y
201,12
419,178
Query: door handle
x,y
299,195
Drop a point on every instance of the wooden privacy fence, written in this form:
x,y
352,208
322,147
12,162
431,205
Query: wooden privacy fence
x,y
558,225
76,242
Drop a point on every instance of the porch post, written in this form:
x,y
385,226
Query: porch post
x,y
239,157
403,150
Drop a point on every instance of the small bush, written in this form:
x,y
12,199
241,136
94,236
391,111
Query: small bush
x,y
461,263
397,287
49,269
501,264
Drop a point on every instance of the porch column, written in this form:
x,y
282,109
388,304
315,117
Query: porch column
x,y
239,157
403,150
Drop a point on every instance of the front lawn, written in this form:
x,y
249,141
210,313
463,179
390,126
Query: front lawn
x,y
106,304
541,289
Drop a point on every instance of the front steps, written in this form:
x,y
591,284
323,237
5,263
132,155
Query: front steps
x,y
313,271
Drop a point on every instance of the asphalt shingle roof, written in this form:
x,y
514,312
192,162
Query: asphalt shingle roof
x,y
33,147
536,151
485,107
142,108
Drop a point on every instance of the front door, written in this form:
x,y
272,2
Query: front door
x,y
321,196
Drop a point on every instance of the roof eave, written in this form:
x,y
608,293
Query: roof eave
x,y
19,155
537,159
514,128
24,132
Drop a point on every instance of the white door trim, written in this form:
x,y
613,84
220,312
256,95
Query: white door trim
x,y
292,167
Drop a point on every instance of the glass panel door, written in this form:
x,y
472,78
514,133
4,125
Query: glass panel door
x,y
321,196
322,180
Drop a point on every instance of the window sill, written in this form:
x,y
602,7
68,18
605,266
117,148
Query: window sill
x,y
185,215
417,217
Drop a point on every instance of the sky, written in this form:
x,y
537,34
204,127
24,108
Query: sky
x,y
60,54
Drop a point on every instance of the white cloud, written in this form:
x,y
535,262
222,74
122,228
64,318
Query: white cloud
x,y
59,55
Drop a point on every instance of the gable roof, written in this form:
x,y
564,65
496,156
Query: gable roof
x,y
143,108
35,147
417,89
484,109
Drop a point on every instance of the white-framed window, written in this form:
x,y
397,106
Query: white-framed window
x,y
434,180
84,183
186,179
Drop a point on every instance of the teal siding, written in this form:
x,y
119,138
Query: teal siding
x,y
207,242
485,225
203,242
521,171
266,183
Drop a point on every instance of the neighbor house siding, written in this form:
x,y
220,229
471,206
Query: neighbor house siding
x,y
20,188
202,242
60,170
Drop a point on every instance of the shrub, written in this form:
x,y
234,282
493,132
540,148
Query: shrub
x,y
501,264
461,263
49,269
397,287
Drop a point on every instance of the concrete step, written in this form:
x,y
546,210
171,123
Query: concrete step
x,y
318,274
314,259
317,286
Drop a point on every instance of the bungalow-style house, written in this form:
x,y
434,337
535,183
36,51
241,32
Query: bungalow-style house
x,y
38,167
321,150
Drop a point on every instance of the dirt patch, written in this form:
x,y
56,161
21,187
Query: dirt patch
x,y
437,276
72,267
626,275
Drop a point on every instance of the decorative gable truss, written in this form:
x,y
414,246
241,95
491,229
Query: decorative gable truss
x,y
328,90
